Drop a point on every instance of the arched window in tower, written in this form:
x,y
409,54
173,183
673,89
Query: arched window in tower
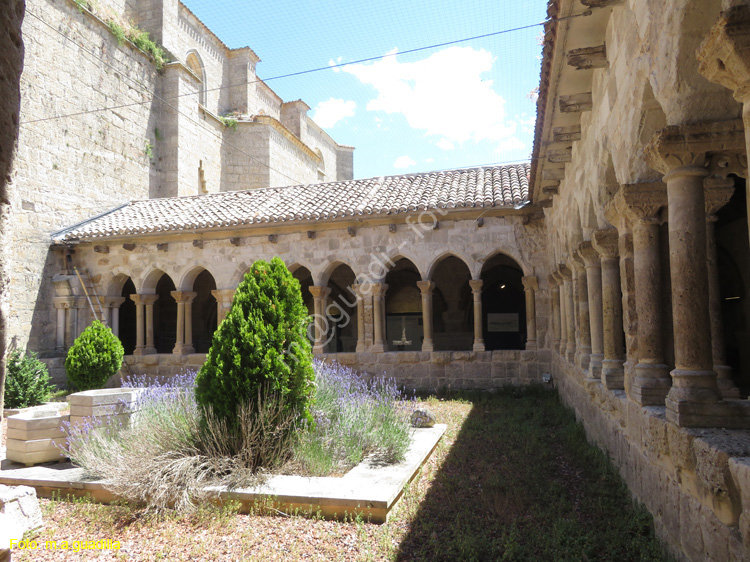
x,y
195,64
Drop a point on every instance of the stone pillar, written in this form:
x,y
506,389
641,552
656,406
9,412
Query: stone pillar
x,y
643,203
718,193
112,307
580,285
530,286
320,294
224,298
686,154
554,292
613,375
476,292
426,288
724,58
563,314
184,341
593,270
140,305
567,277
63,305
149,301
378,316
361,343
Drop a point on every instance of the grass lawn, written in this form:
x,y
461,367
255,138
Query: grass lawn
x,y
513,479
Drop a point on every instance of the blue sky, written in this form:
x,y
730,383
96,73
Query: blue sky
x,y
460,105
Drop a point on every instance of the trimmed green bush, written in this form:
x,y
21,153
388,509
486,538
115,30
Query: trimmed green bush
x,y
27,381
95,356
261,346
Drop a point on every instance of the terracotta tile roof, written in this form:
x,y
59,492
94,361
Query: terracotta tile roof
x,y
498,186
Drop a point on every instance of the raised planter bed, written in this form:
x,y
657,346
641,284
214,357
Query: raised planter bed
x,y
35,436
111,402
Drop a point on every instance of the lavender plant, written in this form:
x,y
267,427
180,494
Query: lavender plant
x,y
353,418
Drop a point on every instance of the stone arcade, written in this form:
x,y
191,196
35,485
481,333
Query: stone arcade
x,y
618,261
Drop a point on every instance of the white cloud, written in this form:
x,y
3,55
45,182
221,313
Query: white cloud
x,y
329,112
445,144
403,162
443,95
429,160
510,144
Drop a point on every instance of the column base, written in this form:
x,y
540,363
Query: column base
x,y
479,346
138,351
693,387
318,350
595,365
584,356
530,346
378,347
149,351
427,345
361,348
570,353
650,384
613,374
724,381
183,349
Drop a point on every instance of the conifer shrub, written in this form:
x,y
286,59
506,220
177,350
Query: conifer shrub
x,y
28,382
95,356
261,347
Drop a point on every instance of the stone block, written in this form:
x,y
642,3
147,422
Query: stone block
x,y
19,512
441,357
387,358
196,359
498,370
34,436
346,358
407,356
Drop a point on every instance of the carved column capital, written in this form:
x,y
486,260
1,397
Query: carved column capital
x,y
552,280
378,289
476,285
144,299
320,291
718,148
718,192
426,287
183,296
724,55
643,201
112,302
605,241
530,283
64,302
565,272
589,254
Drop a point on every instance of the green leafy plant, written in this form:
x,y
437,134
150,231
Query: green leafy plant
x,y
149,150
229,122
95,356
260,347
28,382
118,31
141,40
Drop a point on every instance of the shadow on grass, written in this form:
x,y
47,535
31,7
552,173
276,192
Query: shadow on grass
x,y
521,483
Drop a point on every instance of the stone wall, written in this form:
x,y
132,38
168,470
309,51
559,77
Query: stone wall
x,y
695,482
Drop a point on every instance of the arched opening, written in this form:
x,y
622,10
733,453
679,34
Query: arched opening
x,y
303,275
341,311
503,304
204,311
195,64
403,308
126,327
733,251
165,316
452,306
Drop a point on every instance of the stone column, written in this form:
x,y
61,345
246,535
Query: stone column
x,y
613,375
567,277
378,316
184,341
361,343
563,313
554,292
426,288
320,294
139,325
687,154
582,302
112,306
63,305
593,270
718,193
148,301
643,203
724,58
530,285
476,292
224,298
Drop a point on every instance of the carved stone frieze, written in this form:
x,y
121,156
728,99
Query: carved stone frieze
x,y
605,241
641,201
588,57
575,103
589,254
724,55
716,146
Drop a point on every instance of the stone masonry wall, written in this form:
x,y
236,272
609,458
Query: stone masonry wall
x,y
70,168
695,482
